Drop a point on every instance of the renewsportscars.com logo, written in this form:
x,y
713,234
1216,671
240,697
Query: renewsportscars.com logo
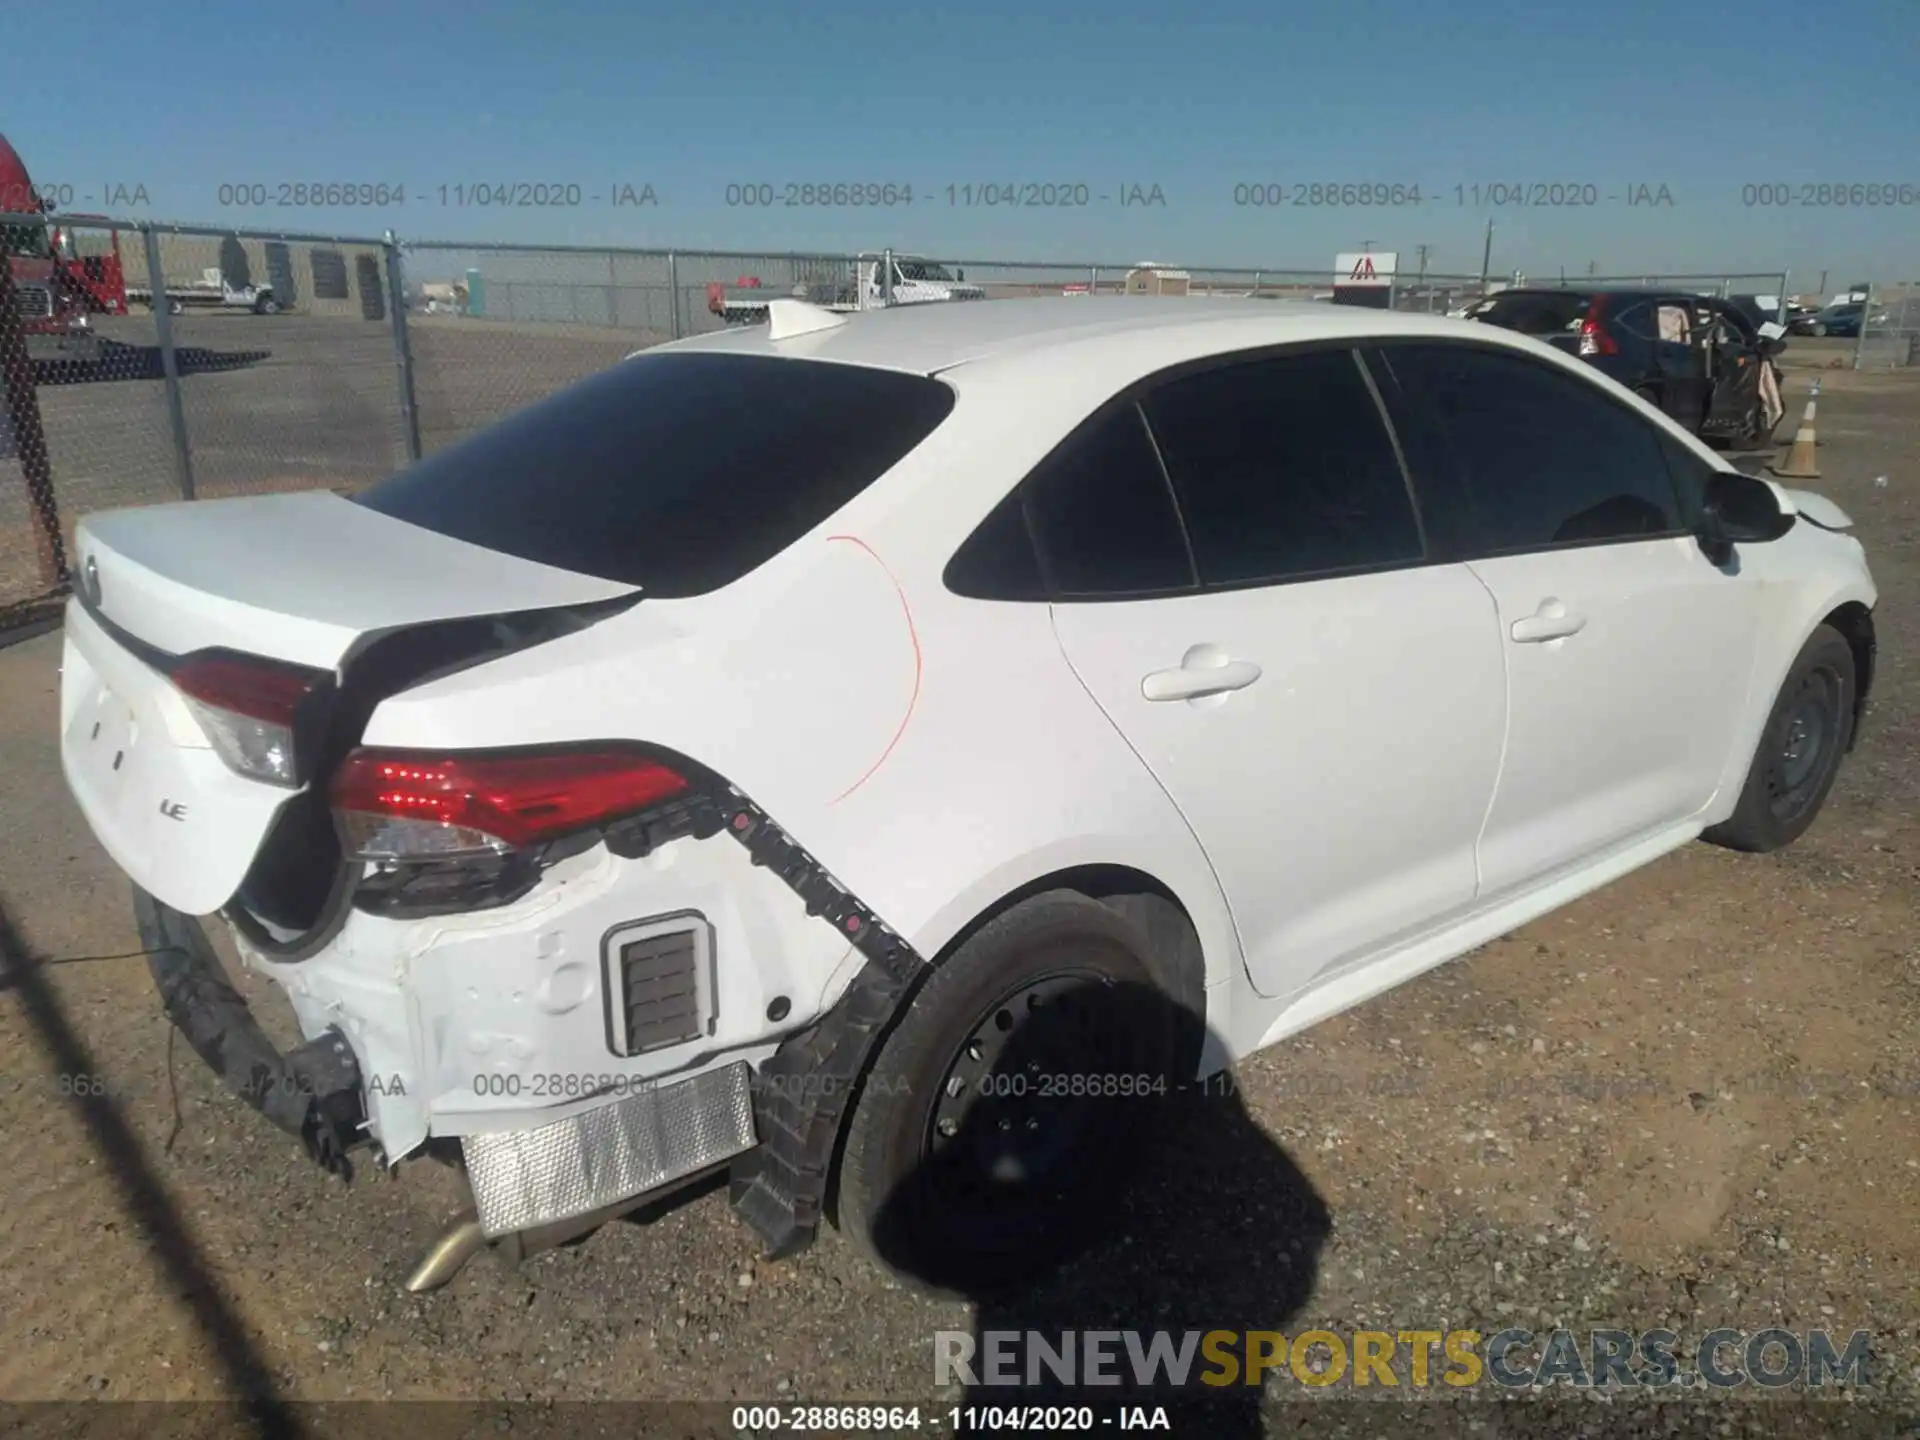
x,y
1512,1359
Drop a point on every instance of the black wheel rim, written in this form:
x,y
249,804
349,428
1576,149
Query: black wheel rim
x,y
1007,1133
1805,738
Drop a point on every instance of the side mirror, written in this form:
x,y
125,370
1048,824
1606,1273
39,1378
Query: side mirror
x,y
1738,509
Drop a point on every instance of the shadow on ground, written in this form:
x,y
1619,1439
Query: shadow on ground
x,y
142,362
1218,1230
248,1376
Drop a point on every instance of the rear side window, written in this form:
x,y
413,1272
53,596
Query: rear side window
x,y
1284,468
1536,314
998,562
1547,459
1103,515
1635,317
675,473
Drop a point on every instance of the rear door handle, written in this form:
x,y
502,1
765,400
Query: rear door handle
x,y
1204,670
1552,621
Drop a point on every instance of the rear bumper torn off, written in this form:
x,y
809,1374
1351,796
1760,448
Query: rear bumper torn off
x,y
313,1092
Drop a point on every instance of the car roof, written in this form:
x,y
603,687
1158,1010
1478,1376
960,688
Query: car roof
x,y
1609,292
930,338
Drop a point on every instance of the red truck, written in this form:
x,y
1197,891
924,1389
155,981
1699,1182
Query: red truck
x,y
57,289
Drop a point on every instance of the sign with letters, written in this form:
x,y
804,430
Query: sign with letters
x,y
1373,268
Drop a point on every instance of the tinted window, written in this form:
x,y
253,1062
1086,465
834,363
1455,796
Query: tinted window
x,y
1689,474
30,241
676,473
998,561
1103,514
1547,458
1535,313
1635,317
1284,468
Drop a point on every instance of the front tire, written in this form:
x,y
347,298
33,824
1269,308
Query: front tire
x,y
1004,1111
1806,734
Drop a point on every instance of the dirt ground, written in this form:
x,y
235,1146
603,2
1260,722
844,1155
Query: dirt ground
x,y
1690,1099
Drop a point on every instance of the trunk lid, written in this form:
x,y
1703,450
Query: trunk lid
x,y
304,578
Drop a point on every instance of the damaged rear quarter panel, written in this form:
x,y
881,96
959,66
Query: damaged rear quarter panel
x,y
934,753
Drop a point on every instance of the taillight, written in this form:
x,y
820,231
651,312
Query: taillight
x,y
250,710
1594,340
404,805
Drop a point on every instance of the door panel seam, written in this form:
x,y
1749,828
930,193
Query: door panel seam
x,y
1506,731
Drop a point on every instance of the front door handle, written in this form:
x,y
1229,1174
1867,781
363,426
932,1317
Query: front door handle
x,y
1204,670
1552,621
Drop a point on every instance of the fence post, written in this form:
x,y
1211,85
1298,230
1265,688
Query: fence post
x,y
1781,318
673,293
17,393
402,347
169,362
613,296
1866,317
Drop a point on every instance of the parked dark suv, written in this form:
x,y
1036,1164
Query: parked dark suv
x,y
1697,357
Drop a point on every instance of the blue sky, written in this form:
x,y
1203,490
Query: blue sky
x,y
1192,98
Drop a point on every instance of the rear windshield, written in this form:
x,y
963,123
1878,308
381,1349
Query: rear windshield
x,y
1533,313
676,473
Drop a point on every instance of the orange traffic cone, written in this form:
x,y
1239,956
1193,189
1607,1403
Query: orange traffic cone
x,y
1802,463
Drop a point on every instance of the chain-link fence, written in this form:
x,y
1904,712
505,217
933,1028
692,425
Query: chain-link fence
x,y
1767,288
1889,333
148,363
151,362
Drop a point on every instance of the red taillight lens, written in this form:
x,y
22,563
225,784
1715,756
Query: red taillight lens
x,y
258,689
248,709
1594,340
396,804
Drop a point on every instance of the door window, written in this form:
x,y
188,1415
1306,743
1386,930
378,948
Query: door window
x,y
1284,469
1547,458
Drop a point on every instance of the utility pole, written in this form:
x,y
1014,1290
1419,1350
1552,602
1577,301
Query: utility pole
x,y
1486,256
1823,286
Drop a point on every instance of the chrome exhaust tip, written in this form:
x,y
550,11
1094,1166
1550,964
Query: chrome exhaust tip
x,y
448,1255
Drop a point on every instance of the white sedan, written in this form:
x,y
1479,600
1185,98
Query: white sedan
x,y
875,756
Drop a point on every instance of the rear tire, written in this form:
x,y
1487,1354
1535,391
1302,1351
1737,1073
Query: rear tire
x,y
1801,746
970,1163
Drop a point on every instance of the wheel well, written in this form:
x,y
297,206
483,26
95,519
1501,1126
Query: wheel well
x,y
1177,960
1855,622
1174,956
